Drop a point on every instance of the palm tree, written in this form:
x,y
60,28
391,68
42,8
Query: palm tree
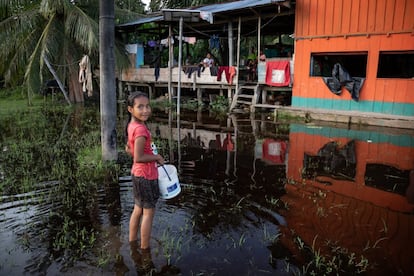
x,y
61,31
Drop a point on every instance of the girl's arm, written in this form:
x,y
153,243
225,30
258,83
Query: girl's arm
x,y
141,157
128,150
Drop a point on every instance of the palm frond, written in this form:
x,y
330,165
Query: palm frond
x,y
16,42
52,7
34,69
82,29
9,8
121,56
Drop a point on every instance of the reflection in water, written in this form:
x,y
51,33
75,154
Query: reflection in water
x,y
387,178
254,192
361,208
338,163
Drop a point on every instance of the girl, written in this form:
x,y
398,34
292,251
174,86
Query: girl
x,y
144,168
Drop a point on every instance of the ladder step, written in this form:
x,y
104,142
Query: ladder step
x,y
245,96
245,102
248,87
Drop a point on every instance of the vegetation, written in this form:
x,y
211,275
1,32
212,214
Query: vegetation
x,y
219,104
51,154
58,31
339,261
15,100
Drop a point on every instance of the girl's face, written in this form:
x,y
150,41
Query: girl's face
x,y
141,110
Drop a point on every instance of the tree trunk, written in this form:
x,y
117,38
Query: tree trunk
x,y
107,79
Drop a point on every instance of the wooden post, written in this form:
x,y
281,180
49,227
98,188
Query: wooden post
x,y
170,61
238,55
259,28
107,79
62,88
231,48
231,56
199,96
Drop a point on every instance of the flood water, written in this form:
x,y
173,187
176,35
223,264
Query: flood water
x,y
258,197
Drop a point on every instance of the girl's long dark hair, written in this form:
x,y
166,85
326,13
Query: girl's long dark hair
x,y
130,102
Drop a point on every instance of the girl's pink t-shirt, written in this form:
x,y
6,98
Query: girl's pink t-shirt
x,y
147,170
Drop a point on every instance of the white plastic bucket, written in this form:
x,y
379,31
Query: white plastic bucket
x,y
169,187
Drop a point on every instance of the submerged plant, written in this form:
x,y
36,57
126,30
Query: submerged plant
x,y
338,260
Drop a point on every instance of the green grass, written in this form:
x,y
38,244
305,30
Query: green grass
x,y
15,100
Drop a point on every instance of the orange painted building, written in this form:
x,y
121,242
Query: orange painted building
x,y
373,40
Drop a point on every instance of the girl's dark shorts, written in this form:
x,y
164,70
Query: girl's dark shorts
x,y
146,192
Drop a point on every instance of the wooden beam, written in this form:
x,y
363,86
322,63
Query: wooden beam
x,y
62,88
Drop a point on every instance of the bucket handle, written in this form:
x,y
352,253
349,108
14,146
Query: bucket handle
x,y
169,178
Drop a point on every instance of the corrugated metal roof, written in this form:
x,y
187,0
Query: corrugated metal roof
x,y
215,8
237,5
142,21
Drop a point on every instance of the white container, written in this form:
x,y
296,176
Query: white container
x,y
169,187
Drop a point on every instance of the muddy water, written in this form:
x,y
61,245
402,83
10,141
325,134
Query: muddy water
x,y
258,197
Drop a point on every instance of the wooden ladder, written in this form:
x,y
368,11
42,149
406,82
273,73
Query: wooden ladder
x,y
246,95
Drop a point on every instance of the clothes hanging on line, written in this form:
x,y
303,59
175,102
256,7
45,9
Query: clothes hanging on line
x,y
229,72
341,78
214,42
278,73
85,75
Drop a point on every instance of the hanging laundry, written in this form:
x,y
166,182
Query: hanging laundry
x,y
156,73
188,39
214,42
152,43
190,69
207,16
85,75
278,73
341,78
229,71
165,41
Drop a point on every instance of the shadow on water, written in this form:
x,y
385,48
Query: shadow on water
x,y
258,197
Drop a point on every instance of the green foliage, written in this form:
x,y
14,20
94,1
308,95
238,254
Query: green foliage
x,y
132,6
60,30
55,149
161,104
219,104
190,104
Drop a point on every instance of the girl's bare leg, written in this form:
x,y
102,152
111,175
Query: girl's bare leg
x,y
134,223
146,226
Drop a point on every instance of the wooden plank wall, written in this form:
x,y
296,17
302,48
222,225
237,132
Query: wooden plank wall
x,y
354,26
338,17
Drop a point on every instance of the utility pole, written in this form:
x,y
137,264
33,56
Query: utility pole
x,y
107,79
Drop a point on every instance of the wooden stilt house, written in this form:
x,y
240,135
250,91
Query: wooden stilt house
x,y
348,56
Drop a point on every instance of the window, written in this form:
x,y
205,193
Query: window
x,y
354,63
396,65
